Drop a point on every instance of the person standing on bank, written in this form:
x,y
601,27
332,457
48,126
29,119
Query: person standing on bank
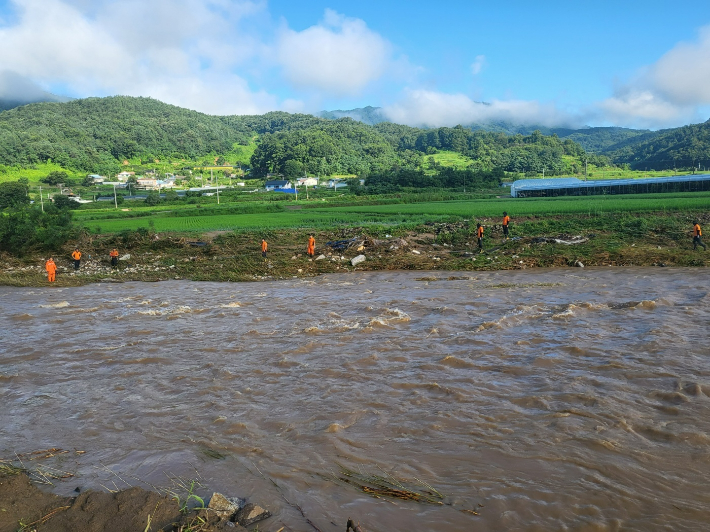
x,y
51,268
114,258
479,235
311,250
697,233
76,255
264,248
506,221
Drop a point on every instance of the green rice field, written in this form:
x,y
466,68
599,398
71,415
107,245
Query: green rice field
x,y
188,218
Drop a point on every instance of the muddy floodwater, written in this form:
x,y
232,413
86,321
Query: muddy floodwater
x,y
542,400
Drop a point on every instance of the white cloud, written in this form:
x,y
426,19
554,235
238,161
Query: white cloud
x,y
644,108
435,109
682,75
668,93
340,56
184,52
478,64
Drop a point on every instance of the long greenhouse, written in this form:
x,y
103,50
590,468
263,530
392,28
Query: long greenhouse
x,y
571,186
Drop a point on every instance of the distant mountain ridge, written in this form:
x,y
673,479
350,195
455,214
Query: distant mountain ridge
x,y
16,91
592,139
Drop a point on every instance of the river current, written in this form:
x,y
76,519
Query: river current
x,y
541,400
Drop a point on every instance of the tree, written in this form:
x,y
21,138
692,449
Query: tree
x,y
153,198
171,195
13,194
56,177
65,202
292,169
220,161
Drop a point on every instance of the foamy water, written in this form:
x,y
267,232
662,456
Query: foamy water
x,y
543,400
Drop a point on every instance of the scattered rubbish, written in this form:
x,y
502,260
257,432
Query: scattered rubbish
x,y
198,244
416,252
320,257
357,260
127,256
342,245
578,264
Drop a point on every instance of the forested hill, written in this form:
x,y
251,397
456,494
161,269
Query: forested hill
x,y
98,134
683,147
593,139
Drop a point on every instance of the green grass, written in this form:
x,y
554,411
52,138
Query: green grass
x,y
450,158
188,218
35,173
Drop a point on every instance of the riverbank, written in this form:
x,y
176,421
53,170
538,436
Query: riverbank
x,y
660,239
26,508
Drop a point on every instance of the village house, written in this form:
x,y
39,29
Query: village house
x,y
271,185
123,176
307,181
146,183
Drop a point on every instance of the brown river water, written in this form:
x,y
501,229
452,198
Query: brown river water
x,y
543,400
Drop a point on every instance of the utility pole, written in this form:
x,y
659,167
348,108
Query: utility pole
x,y
41,201
585,169
217,193
543,172
115,200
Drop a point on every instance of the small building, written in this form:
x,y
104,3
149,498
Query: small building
x,y
336,183
147,183
307,181
123,176
273,185
97,178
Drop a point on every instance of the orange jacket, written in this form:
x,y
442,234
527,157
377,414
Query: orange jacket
x,y
264,245
506,220
479,233
113,253
311,242
697,231
50,266
76,255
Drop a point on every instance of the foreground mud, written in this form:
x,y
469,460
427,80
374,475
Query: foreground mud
x,y
26,508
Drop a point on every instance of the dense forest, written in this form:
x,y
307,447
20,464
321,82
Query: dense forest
x,y
98,134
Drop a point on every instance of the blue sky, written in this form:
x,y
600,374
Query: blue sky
x,y
631,63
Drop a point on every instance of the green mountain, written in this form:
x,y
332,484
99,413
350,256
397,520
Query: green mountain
x,y
367,115
682,147
98,134
592,139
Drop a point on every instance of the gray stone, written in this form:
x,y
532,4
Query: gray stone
x,y
223,506
320,257
250,514
357,260
127,256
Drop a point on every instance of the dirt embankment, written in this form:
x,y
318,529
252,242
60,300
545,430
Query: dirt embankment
x,y
26,508
441,246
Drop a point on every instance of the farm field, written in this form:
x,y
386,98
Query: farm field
x,y
191,219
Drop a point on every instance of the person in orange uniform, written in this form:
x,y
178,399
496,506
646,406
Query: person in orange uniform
x,y
264,248
51,268
76,255
506,221
114,258
479,234
311,246
697,233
